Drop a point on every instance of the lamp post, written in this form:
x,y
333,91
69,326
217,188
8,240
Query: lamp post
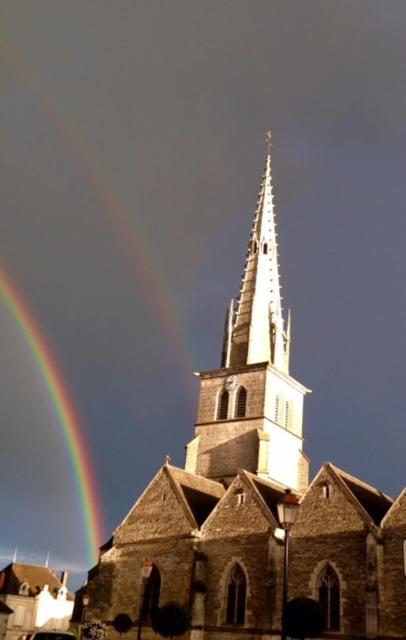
x,y
85,604
146,571
287,511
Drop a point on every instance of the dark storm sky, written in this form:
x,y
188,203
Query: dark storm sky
x,y
153,114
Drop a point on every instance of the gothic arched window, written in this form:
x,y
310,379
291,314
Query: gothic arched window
x,y
236,596
222,411
150,598
329,598
241,403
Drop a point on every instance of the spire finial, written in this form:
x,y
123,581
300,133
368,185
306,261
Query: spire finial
x,y
268,139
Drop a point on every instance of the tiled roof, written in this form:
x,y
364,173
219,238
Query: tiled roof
x,y
199,483
270,492
375,503
14,574
201,504
200,494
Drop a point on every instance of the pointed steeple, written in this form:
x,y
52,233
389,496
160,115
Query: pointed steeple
x,y
257,331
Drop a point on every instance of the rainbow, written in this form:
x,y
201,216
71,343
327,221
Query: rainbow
x,y
84,476
113,204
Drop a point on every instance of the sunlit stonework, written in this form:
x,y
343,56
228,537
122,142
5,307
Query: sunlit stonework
x,y
208,536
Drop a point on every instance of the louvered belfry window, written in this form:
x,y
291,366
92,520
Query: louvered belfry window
x,y
236,596
223,406
329,598
241,404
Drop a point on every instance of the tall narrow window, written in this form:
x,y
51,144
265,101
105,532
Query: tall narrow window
x,y
222,412
236,596
150,598
326,490
241,403
265,248
329,598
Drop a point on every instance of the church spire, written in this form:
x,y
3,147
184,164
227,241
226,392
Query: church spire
x,y
257,334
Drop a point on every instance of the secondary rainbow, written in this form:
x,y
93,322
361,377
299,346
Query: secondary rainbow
x,y
98,179
68,419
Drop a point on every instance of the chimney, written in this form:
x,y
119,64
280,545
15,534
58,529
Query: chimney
x,y
64,578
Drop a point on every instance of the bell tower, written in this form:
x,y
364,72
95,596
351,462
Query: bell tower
x,y
250,413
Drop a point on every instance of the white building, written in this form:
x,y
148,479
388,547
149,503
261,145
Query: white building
x,y
38,599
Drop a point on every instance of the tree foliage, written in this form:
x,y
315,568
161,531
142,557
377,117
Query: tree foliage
x,y
122,622
171,620
303,618
94,629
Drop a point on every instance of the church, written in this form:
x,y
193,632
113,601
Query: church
x,y
208,536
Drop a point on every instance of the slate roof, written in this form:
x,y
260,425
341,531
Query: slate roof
x,y
14,574
373,501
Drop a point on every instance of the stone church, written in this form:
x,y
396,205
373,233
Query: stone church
x,y
207,536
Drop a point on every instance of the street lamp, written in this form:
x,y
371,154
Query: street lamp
x,y
146,571
287,511
85,604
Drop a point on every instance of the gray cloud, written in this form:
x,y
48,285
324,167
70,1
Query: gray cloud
x,y
168,104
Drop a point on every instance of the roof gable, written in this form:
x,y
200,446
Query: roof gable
x,y
158,513
373,501
200,495
36,576
340,512
241,511
270,492
395,518
175,503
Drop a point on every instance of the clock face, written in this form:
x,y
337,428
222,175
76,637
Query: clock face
x,y
231,382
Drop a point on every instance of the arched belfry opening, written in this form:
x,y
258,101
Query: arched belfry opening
x,y
222,410
241,403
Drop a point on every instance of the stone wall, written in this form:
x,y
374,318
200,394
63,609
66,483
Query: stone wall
x,y
393,574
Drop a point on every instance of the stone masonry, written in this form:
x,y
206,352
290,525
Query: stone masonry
x,y
210,534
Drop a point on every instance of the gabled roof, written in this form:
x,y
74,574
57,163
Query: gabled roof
x,y
195,497
14,574
271,493
396,505
265,494
198,494
371,500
